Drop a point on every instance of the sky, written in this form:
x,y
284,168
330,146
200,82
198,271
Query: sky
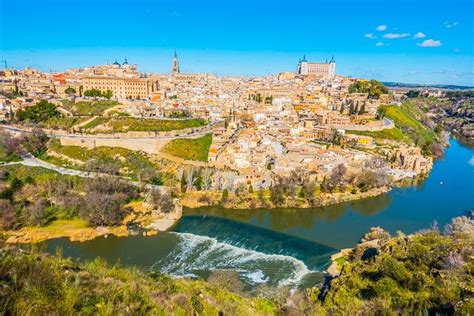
x,y
429,42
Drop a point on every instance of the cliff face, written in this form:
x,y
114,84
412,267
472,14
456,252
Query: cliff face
x,y
459,117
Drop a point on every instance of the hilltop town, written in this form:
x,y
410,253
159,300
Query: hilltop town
x,y
295,139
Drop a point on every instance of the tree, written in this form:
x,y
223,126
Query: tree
x,y
250,189
373,87
40,112
36,143
191,179
206,177
92,93
8,217
10,144
70,90
107,94
225,195
104,200
277,194
261,196
362,108
182,180
337,175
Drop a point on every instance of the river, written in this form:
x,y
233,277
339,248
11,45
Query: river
x,y
289,246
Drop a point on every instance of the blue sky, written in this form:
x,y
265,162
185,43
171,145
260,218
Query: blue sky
x,y
410,41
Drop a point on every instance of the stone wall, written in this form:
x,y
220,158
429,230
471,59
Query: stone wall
x,y
150,146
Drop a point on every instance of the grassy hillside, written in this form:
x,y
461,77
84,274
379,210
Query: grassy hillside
x,y
407,118
125,162
35,284
390,134
86,108
190,148
426,273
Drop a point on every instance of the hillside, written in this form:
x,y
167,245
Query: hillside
x,y
36,284
425,273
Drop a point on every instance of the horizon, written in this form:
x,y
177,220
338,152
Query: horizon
x,y
428,42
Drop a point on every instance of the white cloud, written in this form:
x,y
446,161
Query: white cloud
x,y
370,35
419,35
450,24
379,44
396,35
430,43
381,28
456,50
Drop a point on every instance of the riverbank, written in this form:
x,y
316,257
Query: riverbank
x,y
150,224
196,199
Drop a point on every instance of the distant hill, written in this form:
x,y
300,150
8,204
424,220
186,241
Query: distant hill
x,y
425,86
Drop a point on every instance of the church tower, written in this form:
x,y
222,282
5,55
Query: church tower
x,y
175,69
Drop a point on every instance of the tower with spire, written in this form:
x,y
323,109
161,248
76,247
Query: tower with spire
x,y
175,68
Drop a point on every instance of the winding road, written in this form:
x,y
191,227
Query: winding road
x,y
31,161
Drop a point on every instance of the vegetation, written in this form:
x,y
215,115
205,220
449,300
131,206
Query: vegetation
x,y
190,148
86,108
111,160
405,118
390,134
373,87
70,90
62,122
37,197
97,93
11,147
125,124
38,113
159,200
36,284
427,273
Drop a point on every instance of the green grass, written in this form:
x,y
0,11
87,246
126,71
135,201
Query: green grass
x,y
86,108
95,122
340,262
38,174
405,118
63,122
8,158
190,149
390,134
123,124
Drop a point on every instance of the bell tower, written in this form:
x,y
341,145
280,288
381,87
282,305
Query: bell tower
x,y
175,68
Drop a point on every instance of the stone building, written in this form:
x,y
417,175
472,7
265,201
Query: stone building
x,y
326,69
